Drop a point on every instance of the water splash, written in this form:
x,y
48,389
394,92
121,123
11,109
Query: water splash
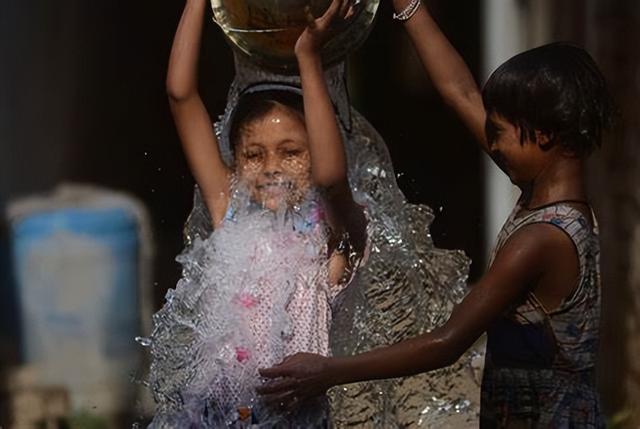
x,y
233,312
406,287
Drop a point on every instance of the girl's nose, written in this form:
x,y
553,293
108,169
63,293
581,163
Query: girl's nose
x,y
271,165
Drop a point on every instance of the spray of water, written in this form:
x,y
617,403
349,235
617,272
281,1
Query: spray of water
x,y
205,348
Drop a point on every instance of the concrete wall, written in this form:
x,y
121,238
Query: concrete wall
x,y
610,30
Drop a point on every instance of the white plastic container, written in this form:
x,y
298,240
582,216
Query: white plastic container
x,y
81,258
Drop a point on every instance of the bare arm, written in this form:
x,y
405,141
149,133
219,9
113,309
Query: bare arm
x,y
328,161
190,115
447,70
519,264
328,158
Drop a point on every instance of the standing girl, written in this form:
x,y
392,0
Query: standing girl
x,y
285,231
539,117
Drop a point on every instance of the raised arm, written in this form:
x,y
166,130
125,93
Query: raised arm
x,y
190,115
446,69
328,161
328,158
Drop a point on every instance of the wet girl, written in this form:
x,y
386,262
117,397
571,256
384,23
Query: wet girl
x,y
260,287
539,116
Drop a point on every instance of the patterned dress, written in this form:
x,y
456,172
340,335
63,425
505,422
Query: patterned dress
x,y
256,290
540,365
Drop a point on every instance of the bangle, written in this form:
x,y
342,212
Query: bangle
x,y
408,11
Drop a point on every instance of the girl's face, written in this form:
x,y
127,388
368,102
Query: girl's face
x,y
272,158
521,160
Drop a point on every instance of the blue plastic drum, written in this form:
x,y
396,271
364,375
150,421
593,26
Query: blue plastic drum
x,y
77,277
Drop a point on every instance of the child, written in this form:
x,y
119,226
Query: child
x,y
261,285
539,117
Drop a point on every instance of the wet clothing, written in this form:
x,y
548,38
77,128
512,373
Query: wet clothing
x,y
540,364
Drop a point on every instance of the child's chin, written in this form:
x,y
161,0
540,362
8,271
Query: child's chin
x,y
519,180
275,203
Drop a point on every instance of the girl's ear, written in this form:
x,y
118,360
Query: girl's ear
x,y
544,140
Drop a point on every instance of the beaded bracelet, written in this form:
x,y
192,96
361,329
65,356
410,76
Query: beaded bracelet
x,y
408,11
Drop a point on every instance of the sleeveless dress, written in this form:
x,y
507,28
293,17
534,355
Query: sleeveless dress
x,y
252,293
540,365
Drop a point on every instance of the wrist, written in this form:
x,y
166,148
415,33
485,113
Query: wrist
x,y
308,57
400,5
406,9
306,52
337,375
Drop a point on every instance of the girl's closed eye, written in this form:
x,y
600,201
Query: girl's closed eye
x,y
252,154
292,152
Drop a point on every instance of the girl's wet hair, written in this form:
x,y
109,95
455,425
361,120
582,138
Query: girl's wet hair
x,y
256,105
556,89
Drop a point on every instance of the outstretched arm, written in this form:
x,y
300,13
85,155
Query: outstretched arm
x,y
519,264
328,158
447,70
190,115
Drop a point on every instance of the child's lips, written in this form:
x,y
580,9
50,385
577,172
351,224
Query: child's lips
x,y
274,187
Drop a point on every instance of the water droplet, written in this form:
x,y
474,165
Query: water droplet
x,y
143,341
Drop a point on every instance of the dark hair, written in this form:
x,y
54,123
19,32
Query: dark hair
x,y
556,89
255,105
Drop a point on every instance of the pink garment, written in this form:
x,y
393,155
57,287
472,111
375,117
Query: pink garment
x,y
276,270
254,292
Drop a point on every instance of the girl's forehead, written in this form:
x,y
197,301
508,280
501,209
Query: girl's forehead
x,y
272,130
280,113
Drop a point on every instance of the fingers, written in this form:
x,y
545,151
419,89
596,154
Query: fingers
x,y
293,402
283,369
290,358
349,9
274,372
288,401
334,8
277,387
351,12
345,6
340,12
279,401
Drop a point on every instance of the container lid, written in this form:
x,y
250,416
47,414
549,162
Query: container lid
x,y
77,208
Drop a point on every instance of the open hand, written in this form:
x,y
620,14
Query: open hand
x,y
297,379
320,30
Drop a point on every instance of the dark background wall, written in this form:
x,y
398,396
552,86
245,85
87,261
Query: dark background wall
x,y
438,162
610,29
83,100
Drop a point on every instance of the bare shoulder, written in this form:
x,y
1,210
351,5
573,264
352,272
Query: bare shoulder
x,y
538,242
531,253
